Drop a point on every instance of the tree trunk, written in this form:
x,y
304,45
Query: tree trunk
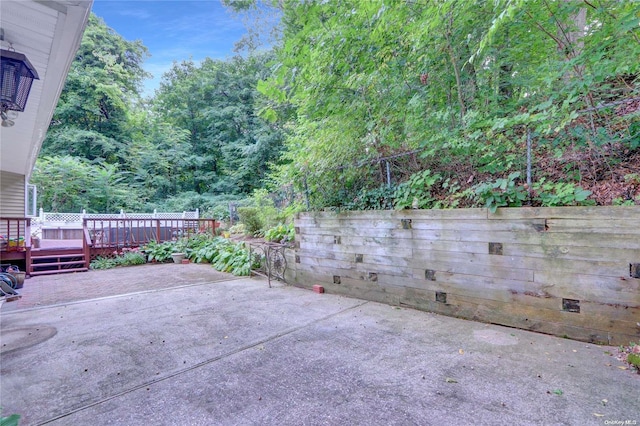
x,y
456,71
572,44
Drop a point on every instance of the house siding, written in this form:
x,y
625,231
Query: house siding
x,y
12,194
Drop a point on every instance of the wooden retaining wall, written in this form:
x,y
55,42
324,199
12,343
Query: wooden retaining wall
x,y
570,271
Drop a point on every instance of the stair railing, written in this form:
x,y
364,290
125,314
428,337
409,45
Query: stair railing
x,y
86,245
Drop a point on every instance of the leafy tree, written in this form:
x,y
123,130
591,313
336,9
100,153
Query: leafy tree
x,y
91,118
460,82
180,101
230,146
200,135
62,183
158,158
440,96
71,184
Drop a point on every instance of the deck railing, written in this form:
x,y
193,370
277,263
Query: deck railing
x,y
116,234
15,239
15,233
70,217
61,226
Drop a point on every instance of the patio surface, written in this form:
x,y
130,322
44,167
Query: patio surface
x,y
185,345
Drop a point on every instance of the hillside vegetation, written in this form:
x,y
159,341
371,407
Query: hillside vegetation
x,y
361,105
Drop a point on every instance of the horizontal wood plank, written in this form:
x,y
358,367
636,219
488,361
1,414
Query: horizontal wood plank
x,y
452,214
530,225
349,257
533,238
591,213
333,267
424,258
512,267
364,250
600,226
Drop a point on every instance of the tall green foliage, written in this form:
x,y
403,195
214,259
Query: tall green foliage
x,y
230,146
71,184
196,140
348,90
91,119
458,80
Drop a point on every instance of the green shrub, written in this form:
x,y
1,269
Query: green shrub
x,y
502,193
233,258
223,254
206,251
416,192
160,252
619,201
238,228
131,258
268,214
128,258
250,217
561,194
103,263
282,233
219,212
372,199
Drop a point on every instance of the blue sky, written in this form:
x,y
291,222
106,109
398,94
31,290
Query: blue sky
x,y
173,30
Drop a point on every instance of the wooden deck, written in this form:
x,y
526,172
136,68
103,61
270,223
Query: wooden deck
x,y
102,237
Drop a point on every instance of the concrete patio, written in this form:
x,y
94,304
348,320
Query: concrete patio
x,y
185,345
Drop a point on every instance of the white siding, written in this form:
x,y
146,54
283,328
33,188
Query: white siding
x,y
11,194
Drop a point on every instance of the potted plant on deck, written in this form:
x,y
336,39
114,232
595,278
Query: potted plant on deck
x,y
179,250
35,239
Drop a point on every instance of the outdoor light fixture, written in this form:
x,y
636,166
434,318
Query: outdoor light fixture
x,y
17,75
8,117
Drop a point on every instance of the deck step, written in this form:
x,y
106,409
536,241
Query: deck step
x,y
69,262
58,257
55,256
58,261
58,271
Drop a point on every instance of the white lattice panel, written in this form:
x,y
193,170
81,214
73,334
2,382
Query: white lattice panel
x,y
62,217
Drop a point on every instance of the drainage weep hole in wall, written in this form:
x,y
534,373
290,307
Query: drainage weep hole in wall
x,y
571,305
512,267
430,274
634,270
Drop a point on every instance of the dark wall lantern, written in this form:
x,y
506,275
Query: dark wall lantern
x,y
17,75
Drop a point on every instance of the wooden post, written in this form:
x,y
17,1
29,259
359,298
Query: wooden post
x,y
86,243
